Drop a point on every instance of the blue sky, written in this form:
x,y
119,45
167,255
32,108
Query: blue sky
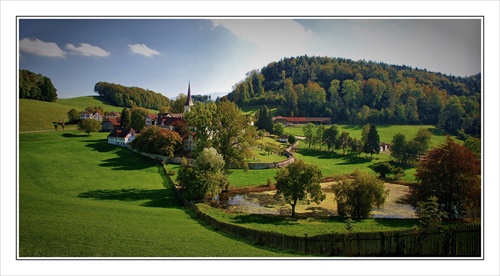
x,y
164,54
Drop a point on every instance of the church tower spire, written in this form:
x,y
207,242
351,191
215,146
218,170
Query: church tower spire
x,y
189,100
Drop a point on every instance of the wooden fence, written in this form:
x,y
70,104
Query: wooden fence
x,y
455,241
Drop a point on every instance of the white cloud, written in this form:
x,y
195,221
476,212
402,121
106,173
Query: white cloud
x,y
142,49
86,50
40,48
272,39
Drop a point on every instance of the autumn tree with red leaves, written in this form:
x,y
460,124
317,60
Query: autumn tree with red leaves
x,y
156,140
452,174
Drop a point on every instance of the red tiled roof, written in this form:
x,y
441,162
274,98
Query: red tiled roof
x,y
113,121
302,119
169,121
112,113
121,132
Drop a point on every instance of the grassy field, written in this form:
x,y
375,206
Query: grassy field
x,y
81,197
38,115
312,226
252,109
386,133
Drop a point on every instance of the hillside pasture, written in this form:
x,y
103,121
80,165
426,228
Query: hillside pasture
x,y
81,197
38,115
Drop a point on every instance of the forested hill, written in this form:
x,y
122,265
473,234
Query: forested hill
x,y
364,92
120,95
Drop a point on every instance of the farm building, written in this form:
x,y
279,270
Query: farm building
x,y
302,120
121,136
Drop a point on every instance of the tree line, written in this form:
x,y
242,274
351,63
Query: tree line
x,y
359,92
36,86
123,96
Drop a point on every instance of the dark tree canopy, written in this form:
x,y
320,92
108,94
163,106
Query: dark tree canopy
x,y
36,86
450,173
156,140
265,120
120,95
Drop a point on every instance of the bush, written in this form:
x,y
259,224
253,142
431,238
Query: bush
x,y
357,197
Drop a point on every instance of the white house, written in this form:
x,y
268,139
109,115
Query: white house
x,y
97,116
188,141
151,120
121,136
86,115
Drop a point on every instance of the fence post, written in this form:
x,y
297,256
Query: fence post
x,y
306,243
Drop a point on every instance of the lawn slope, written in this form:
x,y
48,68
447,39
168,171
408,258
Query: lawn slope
x,y
81,197
38,115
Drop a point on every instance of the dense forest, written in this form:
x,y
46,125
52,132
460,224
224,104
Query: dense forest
x,y
120,95
364,92
36,86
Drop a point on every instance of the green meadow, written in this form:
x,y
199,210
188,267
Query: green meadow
x,y
81,197
38,115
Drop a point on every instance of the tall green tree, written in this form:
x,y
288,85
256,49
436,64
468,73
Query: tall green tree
x,y
357,197
89,125
179,103
291,98
201,119
299,181
330,137
73,115
412,110
265,120
205,178
344,141
138,117
279,129
222,126
371,140
452,115
233,135
350,89
308,130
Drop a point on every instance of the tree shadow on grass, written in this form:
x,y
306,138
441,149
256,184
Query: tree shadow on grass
x,y
72,135
126,159
397,222
354,160
100,145
160,198
438,132
318,153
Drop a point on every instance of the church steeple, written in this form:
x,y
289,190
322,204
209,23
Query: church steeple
x,y
189,100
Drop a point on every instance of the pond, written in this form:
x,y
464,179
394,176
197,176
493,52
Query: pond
x,y
265,203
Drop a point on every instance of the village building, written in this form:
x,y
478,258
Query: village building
x,y
86,115
151,120
97,116
189,100
89,115
109,124
287,121
121,136
112,115
188,142
171,123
